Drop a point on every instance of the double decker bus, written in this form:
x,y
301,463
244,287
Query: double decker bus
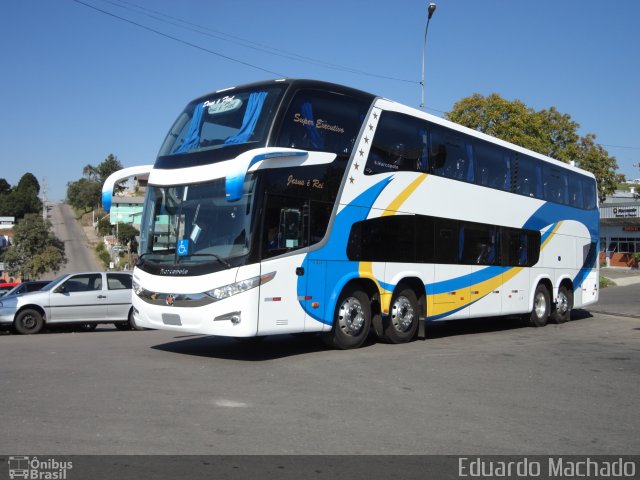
x,y
302,206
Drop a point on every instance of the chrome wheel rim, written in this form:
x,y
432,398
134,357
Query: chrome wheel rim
x,y
402,314
540,305
350,316
563,303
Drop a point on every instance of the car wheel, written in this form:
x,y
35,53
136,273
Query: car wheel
x,y
28,322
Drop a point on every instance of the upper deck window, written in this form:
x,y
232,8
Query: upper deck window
x,y
227,118
399,144
322,121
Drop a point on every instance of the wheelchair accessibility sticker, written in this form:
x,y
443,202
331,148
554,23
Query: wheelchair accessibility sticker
x,y
183,247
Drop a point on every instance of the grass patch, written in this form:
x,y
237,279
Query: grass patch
x,y
606,282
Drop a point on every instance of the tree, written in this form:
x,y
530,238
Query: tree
x,y
126,232
29,183
548,132
104,226
86,193
83,194
35,249
102,171
5,188
22,199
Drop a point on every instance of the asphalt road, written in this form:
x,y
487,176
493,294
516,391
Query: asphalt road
x,y
80,257
477,387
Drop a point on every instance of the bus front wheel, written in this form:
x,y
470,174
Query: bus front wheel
x,y
352,320
541,307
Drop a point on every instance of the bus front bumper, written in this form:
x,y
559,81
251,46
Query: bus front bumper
x,y
236,316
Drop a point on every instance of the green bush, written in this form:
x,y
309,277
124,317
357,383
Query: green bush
x,y
605,282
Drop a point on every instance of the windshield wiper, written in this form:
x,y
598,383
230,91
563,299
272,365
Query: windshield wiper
x,y
159,252
217,257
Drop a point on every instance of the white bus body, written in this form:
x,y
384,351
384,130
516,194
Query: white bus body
x,y
384,222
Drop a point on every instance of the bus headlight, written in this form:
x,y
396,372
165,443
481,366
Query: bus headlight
x,y
232,289
137,288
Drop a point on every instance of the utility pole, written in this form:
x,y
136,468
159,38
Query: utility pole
x,y
430,9
44,199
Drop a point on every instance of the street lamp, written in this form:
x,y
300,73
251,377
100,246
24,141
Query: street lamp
x,y
430,9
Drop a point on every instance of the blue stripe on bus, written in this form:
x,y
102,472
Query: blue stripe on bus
x,y
546,217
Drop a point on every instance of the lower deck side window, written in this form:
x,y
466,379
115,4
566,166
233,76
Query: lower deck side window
x,y
425,239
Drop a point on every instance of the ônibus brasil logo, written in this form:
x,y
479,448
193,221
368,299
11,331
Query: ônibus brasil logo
x,y
38,469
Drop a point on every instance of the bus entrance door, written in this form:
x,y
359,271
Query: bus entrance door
x,y
280,309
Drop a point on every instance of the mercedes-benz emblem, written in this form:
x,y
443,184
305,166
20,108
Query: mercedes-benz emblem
x,y
170,300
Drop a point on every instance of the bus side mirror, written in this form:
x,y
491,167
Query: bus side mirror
x,y
115,177
234,180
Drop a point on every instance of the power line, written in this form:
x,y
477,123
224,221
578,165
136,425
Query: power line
x,y
620,146
202,30
178,39
248,43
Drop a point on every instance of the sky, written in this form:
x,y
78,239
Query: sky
x,y
81,79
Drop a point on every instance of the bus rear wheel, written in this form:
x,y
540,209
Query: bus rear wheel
x,y
401,324
564,304
351,321
541,307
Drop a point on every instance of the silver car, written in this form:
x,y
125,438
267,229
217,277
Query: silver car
x,y
85,299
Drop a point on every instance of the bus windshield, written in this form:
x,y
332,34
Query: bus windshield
x,y
222,119
195,224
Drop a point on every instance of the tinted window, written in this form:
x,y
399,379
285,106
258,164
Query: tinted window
x,y
223,119
425,241
400,143
520,248
118,281
84,283
478,244
384,239
493,166
322,121
589,193
575,191
448,155
446,244
529,177
555,184
285,227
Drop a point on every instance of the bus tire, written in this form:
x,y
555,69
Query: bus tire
x,y
564,304
401,324
132,322
541,307
28,322
351,321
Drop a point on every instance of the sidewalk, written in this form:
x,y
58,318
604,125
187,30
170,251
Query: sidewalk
x,y
91,234
622,277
